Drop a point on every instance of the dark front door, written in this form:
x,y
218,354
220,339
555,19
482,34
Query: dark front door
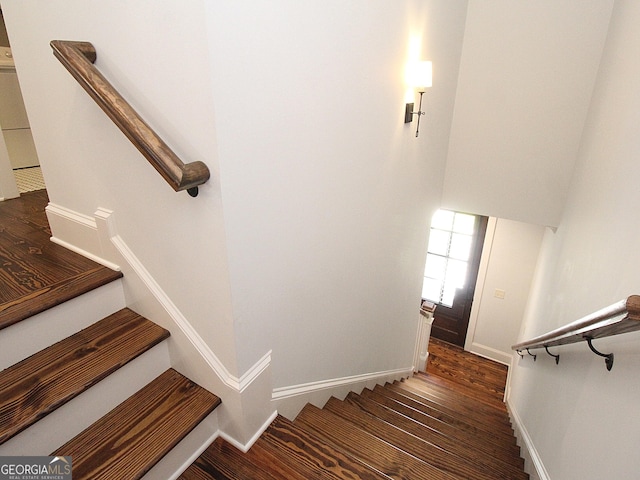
x,y
453,260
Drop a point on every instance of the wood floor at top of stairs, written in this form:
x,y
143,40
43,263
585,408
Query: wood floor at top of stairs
x,y
469,371
35,273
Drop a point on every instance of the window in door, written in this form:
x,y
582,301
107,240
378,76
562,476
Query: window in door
x,y
448,255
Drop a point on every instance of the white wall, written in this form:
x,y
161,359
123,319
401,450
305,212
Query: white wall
x,y
526,76
310,238
583,420
327,194
508,261
153,53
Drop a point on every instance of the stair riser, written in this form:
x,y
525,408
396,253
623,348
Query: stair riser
x,y
187,451
25,338
67,421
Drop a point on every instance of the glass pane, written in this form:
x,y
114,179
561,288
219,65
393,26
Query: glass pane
x,y
447,296
464,223
443,220
456,274
439,242
436,266
431,290
460,246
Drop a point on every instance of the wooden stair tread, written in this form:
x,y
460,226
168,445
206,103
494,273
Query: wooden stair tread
x,y
436,388
134,436
450,418
369,449
49,296
39,384
494,399
35,273
418,446
465,436
466,381
453,405
463,445
299,448
222,461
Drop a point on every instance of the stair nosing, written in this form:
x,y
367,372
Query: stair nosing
x,y
491,450
141,407
23,416
52,295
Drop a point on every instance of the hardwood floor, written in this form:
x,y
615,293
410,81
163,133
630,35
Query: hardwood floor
x,y
446,423
470,372
35,273
126,441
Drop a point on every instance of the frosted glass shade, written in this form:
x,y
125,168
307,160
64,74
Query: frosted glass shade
x,y
420,75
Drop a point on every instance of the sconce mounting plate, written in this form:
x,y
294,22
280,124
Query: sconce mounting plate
x,y
408,113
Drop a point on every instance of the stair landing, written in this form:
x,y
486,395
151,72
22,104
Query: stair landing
x,y
35,273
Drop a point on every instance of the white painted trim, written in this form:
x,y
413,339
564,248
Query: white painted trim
x,y
526,442
199,451
86,254
423,334
245,448
491,353
70,215
238,384
76,232
311,387
81,235
254,372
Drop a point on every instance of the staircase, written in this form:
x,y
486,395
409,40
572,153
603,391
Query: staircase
x,y
84,376
69,349
449,423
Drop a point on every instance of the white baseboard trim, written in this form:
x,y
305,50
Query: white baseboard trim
x,y
238,384
530,454
491,353
97,238
312,387
87,236
86,254
76,232
194,456
244,448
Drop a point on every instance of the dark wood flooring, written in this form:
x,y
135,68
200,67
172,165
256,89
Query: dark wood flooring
x,y
470,372
446,423
35,273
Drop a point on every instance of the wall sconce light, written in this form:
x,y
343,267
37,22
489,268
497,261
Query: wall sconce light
x,y
419,76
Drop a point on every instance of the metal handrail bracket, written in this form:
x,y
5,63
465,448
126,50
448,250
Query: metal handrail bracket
x,y
621,317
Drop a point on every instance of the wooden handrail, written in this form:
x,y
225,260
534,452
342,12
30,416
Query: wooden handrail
x,y
621,317
78,59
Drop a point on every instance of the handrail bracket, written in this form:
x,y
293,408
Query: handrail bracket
x,y
557,357
608,357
